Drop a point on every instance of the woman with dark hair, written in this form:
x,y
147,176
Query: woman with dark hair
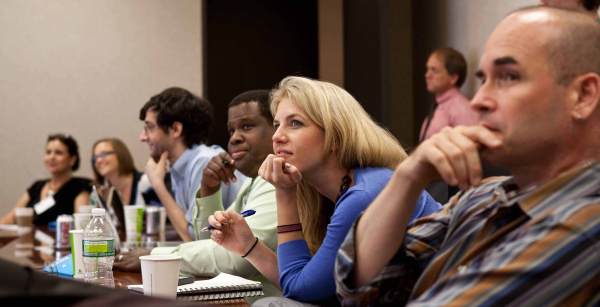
x,y
62,193
119,183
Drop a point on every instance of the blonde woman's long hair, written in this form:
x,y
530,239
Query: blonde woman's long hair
x,y
356,140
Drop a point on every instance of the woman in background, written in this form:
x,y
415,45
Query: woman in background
x,y
331,160
62,193
119,183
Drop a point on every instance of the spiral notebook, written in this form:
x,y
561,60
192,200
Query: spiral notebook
x,y
223,286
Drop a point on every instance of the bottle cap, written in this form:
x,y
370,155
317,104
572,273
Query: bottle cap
x,y
98,211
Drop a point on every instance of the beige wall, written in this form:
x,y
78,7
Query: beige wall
x,y
470,23
86,67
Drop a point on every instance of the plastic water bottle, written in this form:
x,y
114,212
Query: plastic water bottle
x,y
99,249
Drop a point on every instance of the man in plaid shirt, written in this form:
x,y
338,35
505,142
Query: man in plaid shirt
x,y
530,239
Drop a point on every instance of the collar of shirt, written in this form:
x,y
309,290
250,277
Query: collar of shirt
x,y
582,179
536,199
508,193
178,168
447,95
534,202
489,225
244,192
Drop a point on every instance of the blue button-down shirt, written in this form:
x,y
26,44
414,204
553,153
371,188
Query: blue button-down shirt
x,y
186,177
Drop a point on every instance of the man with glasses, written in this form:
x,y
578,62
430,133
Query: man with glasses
x,y
177,124
250,126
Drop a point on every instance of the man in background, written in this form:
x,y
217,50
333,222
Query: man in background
x,y
527,240
446,73
177,124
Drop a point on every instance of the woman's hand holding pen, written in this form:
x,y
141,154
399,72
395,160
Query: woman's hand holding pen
x,y
279,173
219,169
231,231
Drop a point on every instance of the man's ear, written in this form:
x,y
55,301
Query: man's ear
x,y
585,92
454,80
176,129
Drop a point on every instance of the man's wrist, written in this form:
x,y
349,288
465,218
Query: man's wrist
x,y
155,180
158,185
207,191
409,174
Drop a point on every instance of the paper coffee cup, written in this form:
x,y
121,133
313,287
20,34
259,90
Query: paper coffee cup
x,y
76,238
160,274
134,220
24,217
25,237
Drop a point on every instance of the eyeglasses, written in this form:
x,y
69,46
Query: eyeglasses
x,y
102,154
149,127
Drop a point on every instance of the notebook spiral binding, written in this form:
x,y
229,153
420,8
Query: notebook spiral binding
x,y
226,297
213,289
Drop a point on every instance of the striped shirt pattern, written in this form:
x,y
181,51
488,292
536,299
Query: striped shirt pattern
x,y
494,246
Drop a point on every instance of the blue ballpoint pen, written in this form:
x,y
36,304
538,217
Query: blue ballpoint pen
x,y
245,213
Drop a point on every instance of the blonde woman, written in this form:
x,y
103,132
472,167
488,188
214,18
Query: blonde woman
x,y
119,183
331,160
113,167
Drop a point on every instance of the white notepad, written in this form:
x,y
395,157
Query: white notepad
x,y
223,286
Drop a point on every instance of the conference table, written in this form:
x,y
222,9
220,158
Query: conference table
x,y
42,255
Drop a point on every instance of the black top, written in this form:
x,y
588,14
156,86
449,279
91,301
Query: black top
x,y
149,198
117,203
64,198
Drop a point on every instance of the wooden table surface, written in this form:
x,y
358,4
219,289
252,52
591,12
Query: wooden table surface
x,y
37,259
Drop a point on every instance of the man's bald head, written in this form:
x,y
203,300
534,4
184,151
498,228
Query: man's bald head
x,y
541,62
570,40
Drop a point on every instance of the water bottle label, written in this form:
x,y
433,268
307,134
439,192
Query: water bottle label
x,y
98,248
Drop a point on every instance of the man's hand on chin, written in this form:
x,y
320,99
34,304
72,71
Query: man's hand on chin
x,y
156,171
453,155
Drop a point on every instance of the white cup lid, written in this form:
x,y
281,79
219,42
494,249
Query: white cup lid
x,y
159,257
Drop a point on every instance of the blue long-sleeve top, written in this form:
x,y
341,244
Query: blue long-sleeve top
x,y
310,278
